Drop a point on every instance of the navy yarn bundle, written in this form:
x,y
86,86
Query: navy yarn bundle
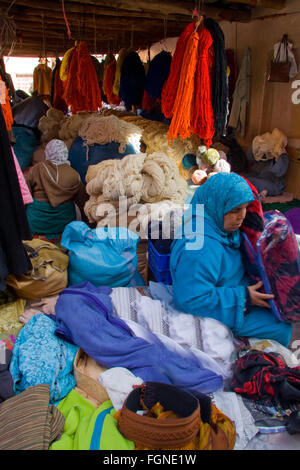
x,y
220,81
158,73
132,81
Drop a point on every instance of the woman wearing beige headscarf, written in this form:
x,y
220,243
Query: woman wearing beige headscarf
x,y
270,162
54,185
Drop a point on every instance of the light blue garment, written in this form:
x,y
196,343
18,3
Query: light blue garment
x,y
211,281
40,357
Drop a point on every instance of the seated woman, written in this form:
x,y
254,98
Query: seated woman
x,y
54,186
211,281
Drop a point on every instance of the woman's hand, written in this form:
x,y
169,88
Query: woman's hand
x,y
258,298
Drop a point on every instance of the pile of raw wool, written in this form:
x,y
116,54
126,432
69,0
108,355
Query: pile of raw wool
x,y
49,125
99,129
140,177
155,137
69,128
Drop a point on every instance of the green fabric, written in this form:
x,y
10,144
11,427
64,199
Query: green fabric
x,y
80,417
49,221
281,206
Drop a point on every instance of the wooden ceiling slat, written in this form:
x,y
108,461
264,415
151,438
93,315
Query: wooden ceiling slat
x,y
114,23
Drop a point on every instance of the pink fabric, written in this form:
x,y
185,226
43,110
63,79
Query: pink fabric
x,y
27,198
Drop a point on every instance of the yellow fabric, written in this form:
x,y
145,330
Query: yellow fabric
x,y
219,434
9,316
63,73
121,57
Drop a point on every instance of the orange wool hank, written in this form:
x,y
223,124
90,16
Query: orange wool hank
x,y
170,87
7,113
182,121
82,90
108,83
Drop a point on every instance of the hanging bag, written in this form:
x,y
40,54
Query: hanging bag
x,y
280,71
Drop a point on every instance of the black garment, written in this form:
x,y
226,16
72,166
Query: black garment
x,y
29,111
13,221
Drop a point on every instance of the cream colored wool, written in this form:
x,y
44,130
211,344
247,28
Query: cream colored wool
x,y
102,130
69,128
140,177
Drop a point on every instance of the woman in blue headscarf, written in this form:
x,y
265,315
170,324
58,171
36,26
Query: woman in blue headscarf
x,y
208,274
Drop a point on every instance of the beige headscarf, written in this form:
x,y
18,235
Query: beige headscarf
x,y
268,146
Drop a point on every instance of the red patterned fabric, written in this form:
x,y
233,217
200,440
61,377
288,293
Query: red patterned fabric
x,y
266,377
253,224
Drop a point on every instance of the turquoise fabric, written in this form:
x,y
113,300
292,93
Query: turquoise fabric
x,y
40,357
49,221
210,281
105,256
26,144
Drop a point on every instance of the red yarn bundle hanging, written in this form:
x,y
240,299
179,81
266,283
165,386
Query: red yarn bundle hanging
x,y
59,89
108,83
203,110
148,101
7,113
170,87
82,90
182,121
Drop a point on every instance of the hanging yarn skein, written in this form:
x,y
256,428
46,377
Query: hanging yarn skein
x,y
170,87
121,57
158,73
82,90
109,79
57,89
182,121
220,101
132,80
203,120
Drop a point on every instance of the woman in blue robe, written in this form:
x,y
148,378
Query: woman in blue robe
x,y
209,278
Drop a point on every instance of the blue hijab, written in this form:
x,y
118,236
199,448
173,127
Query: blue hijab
x,y
220,194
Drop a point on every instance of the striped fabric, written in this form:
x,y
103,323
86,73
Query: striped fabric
x,y
27,422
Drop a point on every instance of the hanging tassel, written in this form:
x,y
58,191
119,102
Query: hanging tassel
x,y
182,121
203,121
169,90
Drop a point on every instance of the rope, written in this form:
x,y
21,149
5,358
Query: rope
x,y
66,20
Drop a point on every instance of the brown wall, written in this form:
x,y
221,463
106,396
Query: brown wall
x,y
271,104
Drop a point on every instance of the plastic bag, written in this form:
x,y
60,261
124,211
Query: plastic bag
x,y
105,256
277,264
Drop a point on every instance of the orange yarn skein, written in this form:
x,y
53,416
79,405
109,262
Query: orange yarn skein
x,y
82,90
182,121
170,87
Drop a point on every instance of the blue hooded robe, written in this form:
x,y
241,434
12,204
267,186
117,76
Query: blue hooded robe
x,y
211,281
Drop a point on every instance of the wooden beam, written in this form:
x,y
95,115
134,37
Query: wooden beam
x,y
275,4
